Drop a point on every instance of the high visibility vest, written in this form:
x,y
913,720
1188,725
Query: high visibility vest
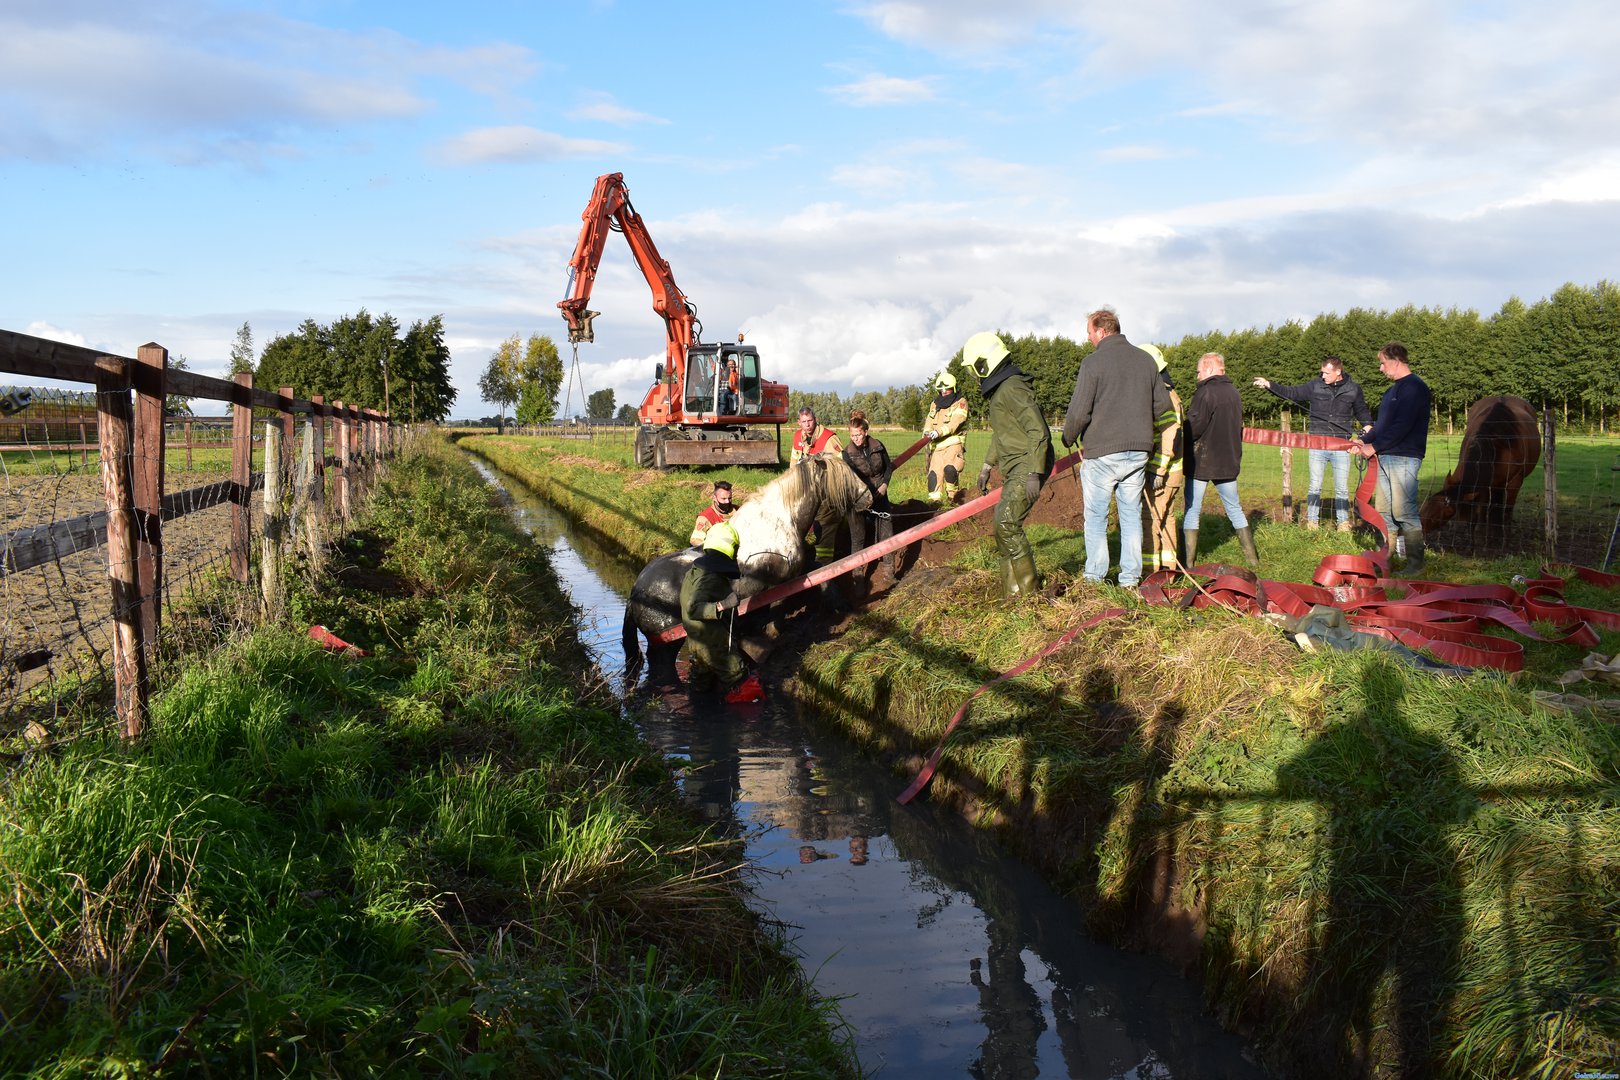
x,y
709,515
819,444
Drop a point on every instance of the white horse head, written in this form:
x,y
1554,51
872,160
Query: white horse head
x,y
771,525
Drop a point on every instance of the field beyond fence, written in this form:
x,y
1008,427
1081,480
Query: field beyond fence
x,y
106,525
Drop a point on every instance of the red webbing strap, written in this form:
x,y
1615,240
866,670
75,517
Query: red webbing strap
x,y
867,554
1063,639
905,455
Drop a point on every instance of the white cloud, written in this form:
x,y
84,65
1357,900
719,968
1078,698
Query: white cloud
x,y
603,109
1140,153
76,85
519,143
886,90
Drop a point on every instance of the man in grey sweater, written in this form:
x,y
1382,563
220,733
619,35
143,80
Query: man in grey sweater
x,y
1117,397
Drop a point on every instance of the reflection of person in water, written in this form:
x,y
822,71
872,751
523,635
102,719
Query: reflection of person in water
x,y
1012,1011
1381,970
857,851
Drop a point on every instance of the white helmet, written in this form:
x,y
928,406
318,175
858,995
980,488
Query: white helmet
x,y
983,353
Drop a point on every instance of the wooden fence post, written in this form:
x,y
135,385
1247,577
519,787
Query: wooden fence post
x,y
341,434
309,488
274,522
317,490
289,436
1288,470
1549,479
242,476
115,425
151,387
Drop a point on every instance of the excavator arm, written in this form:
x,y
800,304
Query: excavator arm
x,y
610,211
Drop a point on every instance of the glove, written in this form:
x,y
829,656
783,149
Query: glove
x,y
930,435
1032,487
1067,445
728,602
984,480
1157,483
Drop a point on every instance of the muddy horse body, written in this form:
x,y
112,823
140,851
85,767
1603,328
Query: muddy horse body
x,y
771,528
1501,446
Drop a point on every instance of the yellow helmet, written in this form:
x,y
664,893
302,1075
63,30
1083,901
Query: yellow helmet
x,y
983,353
1157,354
945,381
722,537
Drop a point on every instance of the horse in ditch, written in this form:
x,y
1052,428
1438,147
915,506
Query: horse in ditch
x,y
771,527
1500,447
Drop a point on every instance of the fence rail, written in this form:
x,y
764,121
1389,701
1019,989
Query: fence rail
x,y
50,617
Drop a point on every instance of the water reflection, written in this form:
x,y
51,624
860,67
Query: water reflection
x,y
951,959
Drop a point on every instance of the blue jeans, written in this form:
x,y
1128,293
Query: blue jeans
x,y
1118,477
1341,483
1396,497
1227,490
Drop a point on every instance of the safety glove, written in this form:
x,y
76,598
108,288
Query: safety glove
x,y
984,480
1032,487
1158,480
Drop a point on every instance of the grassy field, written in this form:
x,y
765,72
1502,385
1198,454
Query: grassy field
x,y
1377,871
444,859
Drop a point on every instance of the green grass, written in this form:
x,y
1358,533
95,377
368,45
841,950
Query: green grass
x,y
440,860
1388,866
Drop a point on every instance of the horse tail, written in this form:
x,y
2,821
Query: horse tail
x,y
632,643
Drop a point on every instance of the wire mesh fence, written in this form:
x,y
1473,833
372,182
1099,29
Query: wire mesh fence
x,y
118,540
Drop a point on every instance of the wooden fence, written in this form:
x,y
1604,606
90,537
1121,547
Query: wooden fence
x,y
132,440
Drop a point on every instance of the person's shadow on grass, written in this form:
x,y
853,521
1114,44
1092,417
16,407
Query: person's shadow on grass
x,y
1380,975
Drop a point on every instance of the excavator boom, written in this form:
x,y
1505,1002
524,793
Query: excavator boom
x,y
707,401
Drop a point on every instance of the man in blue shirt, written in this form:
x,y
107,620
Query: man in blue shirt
x,y
1400,437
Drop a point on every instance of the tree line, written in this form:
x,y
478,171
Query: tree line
x,y
358,360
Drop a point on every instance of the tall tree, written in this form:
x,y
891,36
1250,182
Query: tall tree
x,y
242,350
422,372
600,406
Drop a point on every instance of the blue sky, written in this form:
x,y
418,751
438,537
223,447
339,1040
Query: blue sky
x,y
859,185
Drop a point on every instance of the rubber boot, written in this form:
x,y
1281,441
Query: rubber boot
x,y
1414,553
1021,576
1007,586
1245,537
749,690
1190,537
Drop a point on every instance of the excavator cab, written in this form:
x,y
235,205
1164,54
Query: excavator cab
x,y
722,380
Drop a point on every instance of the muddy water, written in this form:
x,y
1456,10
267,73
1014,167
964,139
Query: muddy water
x,y
949,958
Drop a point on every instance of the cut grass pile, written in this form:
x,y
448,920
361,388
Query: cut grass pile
x,y
439,860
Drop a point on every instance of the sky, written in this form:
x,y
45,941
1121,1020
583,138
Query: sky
x,y
856,186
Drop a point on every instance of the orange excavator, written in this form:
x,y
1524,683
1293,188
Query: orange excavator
x,y
708,404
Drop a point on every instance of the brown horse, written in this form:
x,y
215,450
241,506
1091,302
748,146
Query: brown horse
x,y
1500,447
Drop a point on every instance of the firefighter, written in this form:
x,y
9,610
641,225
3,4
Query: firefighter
x,y
1020,444
1164,479
813,440
714,513
946,415
708,603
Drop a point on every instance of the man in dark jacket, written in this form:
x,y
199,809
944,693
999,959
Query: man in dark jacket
x,y
1400,438
1215,453
1339,410
1020,445
1118,398
870,459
